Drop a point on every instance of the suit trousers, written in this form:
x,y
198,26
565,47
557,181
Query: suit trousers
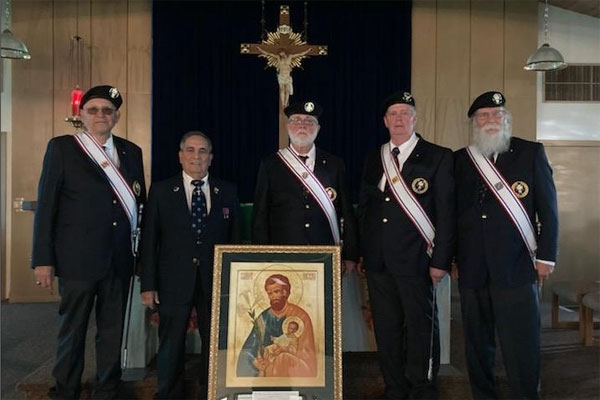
x,y
172,331
402,308
513,314
76,304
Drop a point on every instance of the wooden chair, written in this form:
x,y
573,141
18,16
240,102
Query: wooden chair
x,y
591,303
572,291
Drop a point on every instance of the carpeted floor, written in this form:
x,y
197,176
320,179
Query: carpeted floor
x,y
569,370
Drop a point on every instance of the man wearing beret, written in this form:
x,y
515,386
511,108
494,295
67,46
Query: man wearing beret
x,y
406,217
301,196
507,234
88,196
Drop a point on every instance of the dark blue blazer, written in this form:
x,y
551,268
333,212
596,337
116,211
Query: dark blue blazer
x,y
489,247
283,213
388,238
170,256
80,227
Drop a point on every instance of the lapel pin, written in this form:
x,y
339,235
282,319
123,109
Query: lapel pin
x,y
176,188
216,190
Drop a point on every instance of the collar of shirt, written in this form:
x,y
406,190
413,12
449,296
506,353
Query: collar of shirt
x,y
189,188
406,150
312,156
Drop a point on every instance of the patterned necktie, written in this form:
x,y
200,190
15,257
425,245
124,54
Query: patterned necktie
x,y
395,153
198,208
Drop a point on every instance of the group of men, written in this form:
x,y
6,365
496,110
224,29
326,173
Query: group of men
x,y
486,213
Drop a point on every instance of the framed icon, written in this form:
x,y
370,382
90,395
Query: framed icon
x,y
276,323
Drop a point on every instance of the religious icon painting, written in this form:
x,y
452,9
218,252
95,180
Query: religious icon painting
x,y
276,323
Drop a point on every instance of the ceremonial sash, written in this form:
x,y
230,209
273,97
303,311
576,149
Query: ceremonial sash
x,y
314,187
507,198
118,184
405,198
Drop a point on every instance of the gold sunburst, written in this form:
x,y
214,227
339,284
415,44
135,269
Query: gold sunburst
x,y
273,39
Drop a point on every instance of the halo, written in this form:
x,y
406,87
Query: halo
x,y
295,319
296,291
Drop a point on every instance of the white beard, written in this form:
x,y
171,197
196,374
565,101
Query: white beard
x,y
492,143
304,140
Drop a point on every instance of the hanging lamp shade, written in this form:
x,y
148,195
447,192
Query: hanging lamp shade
x,y
12,47
545,58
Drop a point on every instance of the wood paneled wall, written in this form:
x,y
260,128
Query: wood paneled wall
x,y
117,51
462,48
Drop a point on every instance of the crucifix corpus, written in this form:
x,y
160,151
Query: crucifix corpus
x,y
284,50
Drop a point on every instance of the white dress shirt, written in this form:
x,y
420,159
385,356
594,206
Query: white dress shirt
x,y
312,155
406,150
111,151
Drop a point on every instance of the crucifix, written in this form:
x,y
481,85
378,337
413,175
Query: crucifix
x,y
284,50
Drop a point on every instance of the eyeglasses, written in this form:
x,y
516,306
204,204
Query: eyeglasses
x,y
104,110
300,121
394,114
486,116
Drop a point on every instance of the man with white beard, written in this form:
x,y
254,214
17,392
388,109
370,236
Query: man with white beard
x,y
507,239
301,196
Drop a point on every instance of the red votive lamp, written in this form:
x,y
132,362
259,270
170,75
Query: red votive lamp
x,y
76,96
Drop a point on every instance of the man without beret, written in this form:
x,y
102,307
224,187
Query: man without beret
x,y
89,190
285,210
406,252
504,185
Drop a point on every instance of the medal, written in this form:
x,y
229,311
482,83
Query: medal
x,y
420,185
520,188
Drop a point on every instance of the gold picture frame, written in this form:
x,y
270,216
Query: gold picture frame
x,y
276,322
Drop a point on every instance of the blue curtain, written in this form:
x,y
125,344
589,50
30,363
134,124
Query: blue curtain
x,y
202,82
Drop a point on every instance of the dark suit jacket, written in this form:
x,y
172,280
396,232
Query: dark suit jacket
x,y
74,228
284,214
388,237
170,256
489,247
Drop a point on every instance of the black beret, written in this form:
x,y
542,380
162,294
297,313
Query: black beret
x,y
397,98
107,92
488,99
304,107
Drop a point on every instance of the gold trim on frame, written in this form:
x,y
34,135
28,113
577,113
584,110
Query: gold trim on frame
x,y
220,250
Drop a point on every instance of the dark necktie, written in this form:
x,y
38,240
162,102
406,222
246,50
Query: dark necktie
x,y
395,153
303,158
198,208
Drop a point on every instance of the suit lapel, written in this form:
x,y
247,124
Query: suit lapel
x,y
179,199
415,157
321,171
215,199
124,166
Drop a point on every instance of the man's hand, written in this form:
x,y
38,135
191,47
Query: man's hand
x,y
150,299
348,267
436,275
454,271
544,271
44,276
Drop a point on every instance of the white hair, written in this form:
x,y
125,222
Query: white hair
x,y
492,144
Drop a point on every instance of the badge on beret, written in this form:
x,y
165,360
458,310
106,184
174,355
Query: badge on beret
x,y
137,188
420,185
497,98
520,188
406,96
331,193
113,92
309,106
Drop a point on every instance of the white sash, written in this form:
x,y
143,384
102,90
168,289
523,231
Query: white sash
x,y
508,200
119,186
314,187
406,200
